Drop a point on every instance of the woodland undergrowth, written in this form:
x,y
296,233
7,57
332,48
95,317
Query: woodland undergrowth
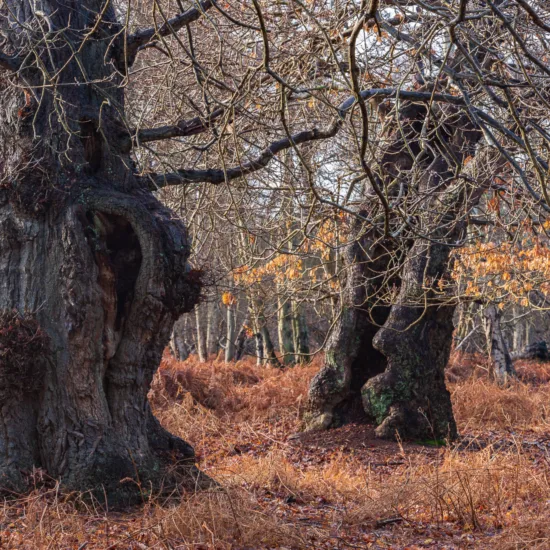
x,y
342,489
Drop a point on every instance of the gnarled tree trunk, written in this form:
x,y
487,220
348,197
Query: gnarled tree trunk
x,y
410,399
350,360
91,259
386,358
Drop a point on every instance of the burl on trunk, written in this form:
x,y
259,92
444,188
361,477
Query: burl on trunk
x,y
93,268
387,354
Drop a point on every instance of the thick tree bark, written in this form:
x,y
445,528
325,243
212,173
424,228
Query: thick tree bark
x,y
335,392
409,398
107,305
96,262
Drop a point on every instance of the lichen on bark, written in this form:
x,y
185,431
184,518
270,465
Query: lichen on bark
x,y
397,347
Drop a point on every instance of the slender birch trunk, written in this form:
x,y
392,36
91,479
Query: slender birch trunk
x,y
230,335
212,329
201,333
286,331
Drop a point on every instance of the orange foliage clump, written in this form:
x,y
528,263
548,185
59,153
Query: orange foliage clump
x,y
504,270
228,299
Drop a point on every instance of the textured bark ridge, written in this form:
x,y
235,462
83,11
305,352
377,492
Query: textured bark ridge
x,y
385,363
335,392
95,265
410,397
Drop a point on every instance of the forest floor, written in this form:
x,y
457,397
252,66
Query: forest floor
x,y
338,489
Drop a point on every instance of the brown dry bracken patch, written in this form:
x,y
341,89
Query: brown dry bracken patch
x,y
337,489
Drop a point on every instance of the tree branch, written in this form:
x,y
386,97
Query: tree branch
x,y
534,15
183,128
218,176
519,41
141,38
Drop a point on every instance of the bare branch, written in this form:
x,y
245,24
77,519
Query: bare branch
x,y
218,176
534,15
140,38
519,41
183,128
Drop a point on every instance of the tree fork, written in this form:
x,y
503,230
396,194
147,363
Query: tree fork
x,y
334,395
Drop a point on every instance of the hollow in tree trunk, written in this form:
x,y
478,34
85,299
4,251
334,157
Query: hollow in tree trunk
x,y
91,262
385,359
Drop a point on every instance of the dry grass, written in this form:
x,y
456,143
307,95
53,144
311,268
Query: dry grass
x,y
479,405
491,492
243,391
